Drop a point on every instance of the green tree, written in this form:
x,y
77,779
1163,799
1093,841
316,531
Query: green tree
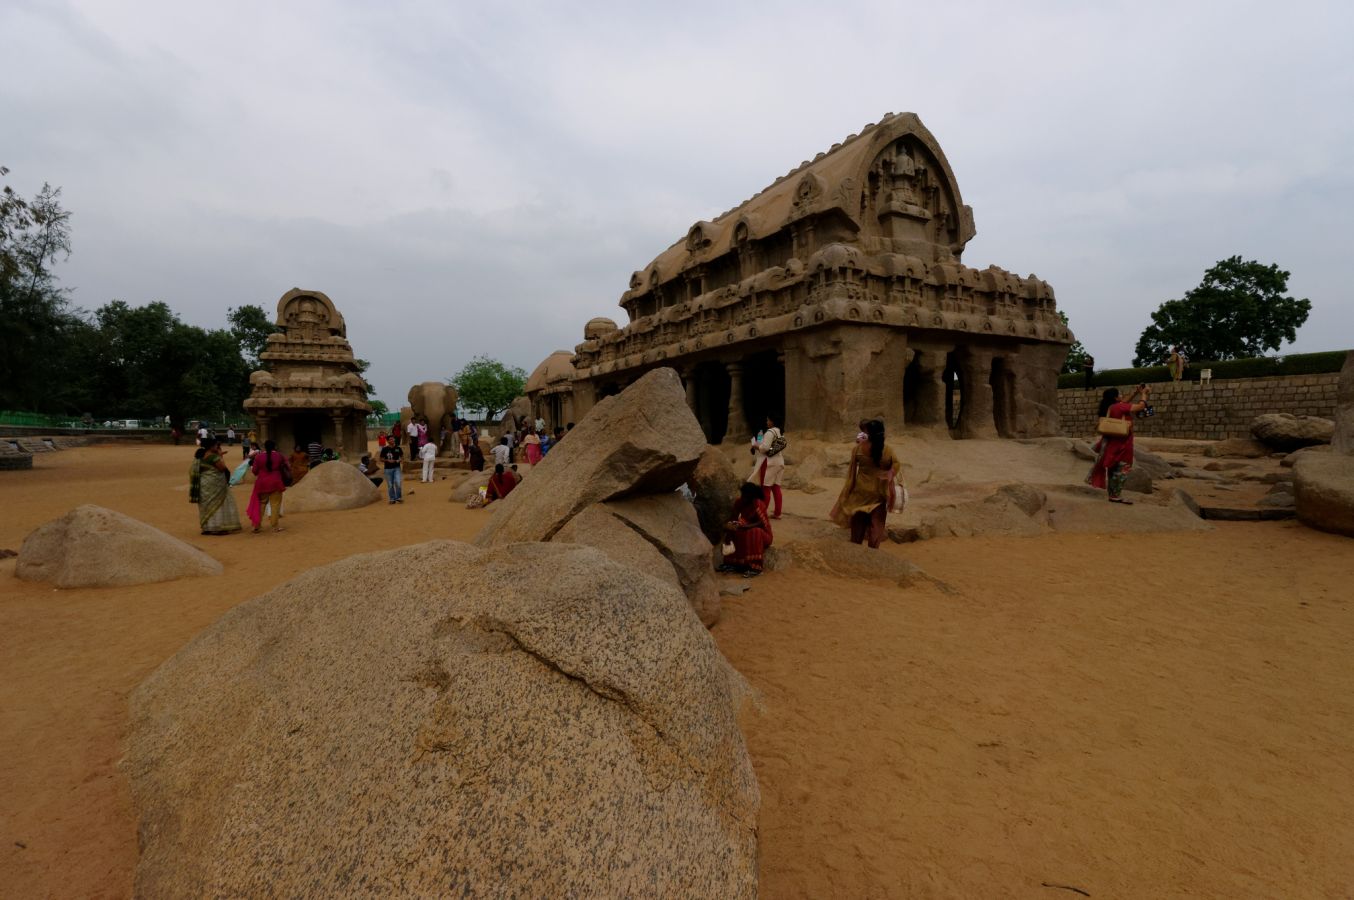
x,y
250,326
1076,354
1238,310
147,363
487,384
38,328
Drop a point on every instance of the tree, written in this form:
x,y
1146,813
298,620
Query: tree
x,y
487,384
250,326
147,363
1076,354
38,328
1238,310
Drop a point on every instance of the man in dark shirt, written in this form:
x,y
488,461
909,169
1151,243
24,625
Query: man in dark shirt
x,y
391,455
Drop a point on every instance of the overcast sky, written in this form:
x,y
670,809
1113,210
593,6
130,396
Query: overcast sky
x,y
483,178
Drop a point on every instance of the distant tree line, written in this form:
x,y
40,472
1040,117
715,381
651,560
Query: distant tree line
x,y
120,361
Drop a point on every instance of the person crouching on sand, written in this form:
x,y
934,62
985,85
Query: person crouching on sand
x,y
749,531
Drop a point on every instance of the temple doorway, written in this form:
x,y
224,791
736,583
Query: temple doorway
x,y
763,390
712,400
305,429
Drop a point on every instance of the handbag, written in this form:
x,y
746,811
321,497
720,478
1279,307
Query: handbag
x,y
898,495
1113,427
778,445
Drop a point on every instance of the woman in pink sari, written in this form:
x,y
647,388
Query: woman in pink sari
x,y
271,474
532,443
1114,452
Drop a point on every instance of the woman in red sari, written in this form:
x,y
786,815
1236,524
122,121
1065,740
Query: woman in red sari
x,y
1114,453
749,530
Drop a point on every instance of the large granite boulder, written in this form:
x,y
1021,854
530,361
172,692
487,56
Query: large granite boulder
x,y
330,486
642,441
1323,486
715,486
599,528
668,522
1286,432
395,724
1342,441
95,547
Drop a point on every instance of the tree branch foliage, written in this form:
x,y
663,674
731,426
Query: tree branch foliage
x,y
487,384
1238,310
121,361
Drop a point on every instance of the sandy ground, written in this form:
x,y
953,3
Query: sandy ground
x,y
1131,716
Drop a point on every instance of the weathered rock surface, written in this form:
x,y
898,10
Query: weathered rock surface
x,y
395,724
1342,440
1289,460
598,528
715,485
331,486
1286,432
1237,448
95,547
642,441
669,523
1147,469
1324,491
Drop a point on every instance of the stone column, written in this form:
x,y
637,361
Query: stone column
x,y
261,423
976,418
689,378
737,427
339,442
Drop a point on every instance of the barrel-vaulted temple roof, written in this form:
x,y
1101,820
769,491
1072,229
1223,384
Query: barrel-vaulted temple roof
x,y
834,180
557,367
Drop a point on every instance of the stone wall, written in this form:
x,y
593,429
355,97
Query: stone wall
x,y
1222,409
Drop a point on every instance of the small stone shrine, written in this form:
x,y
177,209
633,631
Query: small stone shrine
x,y
835,294
311,389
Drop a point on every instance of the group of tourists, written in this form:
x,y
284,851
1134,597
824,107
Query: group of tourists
x,y
873,488
210,480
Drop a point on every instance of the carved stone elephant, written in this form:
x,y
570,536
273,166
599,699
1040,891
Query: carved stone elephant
x,y
437,402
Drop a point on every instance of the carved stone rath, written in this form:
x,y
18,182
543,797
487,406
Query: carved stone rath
x,y
836,294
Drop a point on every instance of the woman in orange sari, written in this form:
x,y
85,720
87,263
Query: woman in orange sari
x,y
749,531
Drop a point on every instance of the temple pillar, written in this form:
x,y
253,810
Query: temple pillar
x,y
264,427
689,380
339,442
976,417
737,427
838,376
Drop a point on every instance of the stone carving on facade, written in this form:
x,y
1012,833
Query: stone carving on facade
x,y
311,389
835,294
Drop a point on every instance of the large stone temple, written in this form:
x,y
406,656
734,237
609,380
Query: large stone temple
x,y
312,389
835,294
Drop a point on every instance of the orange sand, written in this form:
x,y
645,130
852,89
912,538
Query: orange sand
x,y
1182,727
